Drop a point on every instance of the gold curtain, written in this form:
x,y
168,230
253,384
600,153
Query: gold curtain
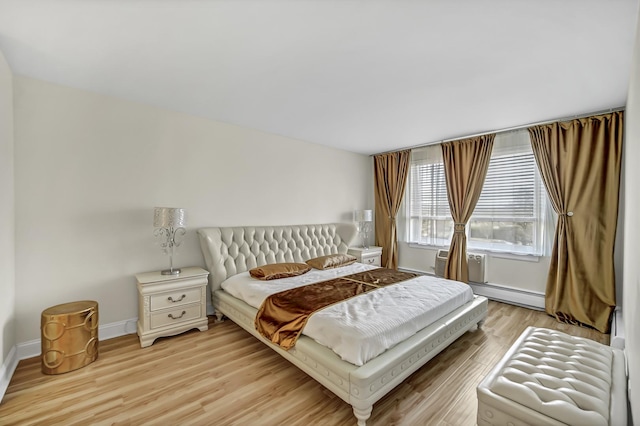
x,y
579,161
391,171
465,166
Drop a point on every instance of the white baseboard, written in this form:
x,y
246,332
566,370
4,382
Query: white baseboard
x,y
32,348
6,370
28,349
415,271
105,332
513,296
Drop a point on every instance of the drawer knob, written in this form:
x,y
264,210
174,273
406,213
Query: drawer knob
x,y
181,315
170,299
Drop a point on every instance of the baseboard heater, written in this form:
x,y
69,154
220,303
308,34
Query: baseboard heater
x,y
513,296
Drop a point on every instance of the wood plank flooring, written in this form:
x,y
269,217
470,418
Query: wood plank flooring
x,y
224,376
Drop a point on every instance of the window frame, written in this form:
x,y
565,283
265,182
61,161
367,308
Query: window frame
x,y
541,210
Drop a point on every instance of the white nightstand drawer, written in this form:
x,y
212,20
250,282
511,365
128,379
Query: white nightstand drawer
x,y
171,304
175,316
174,298
372,260
369,256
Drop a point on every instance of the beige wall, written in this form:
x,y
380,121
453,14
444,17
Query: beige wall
x,y
90,169
631,279
7,224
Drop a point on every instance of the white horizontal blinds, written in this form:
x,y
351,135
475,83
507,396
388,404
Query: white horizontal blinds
x,y
429,188
510,185
430,217
509,215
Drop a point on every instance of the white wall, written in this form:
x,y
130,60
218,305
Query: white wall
x,y
90,169
506,272
631,288
7,224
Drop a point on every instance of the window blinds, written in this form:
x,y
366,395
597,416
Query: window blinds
x,y
512,209
511,187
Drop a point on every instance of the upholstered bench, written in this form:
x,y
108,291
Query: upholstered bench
x,y
550,378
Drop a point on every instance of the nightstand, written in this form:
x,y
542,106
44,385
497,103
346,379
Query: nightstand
x,y
171,304
369,256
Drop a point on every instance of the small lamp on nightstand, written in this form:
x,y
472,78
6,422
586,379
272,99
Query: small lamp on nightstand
x,y
169,223
363,218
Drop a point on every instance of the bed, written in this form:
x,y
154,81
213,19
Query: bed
x,y
232,251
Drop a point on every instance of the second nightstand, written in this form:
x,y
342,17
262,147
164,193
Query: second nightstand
x,y
370,256
171,304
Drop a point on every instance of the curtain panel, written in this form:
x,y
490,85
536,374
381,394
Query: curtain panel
x,y
465,165
390,175
579,161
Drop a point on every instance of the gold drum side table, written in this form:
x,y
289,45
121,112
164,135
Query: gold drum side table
x,y
69,335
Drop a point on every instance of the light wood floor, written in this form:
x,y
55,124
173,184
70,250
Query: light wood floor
x,y
188,380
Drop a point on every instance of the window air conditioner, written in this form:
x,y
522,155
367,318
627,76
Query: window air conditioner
x,y
476,263
441,260
477,267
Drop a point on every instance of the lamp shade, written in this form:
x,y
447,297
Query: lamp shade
x,y
362,215
168,217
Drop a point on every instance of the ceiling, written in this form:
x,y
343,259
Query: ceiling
x,y
361,75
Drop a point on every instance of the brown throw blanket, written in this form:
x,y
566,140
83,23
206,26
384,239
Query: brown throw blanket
x,y
283,315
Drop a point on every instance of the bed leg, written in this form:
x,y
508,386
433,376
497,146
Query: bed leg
x,y
218,316
480,323
362,414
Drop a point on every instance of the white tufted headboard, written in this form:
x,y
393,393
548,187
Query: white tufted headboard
x,y
230,251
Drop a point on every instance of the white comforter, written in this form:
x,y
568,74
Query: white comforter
x,y
363,327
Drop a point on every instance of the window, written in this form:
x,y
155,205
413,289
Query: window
x,y
512,212
429,215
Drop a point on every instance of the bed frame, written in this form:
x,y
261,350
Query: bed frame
x,y
230,251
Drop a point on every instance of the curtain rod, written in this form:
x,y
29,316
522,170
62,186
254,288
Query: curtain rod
x,y
508,129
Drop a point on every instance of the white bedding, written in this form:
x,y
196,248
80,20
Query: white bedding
x,y
363,327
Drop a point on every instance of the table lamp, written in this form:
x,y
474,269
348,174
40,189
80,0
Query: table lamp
x,y
169,223
363,218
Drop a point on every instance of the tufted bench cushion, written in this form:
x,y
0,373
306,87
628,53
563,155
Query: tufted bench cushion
x,y
551,378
